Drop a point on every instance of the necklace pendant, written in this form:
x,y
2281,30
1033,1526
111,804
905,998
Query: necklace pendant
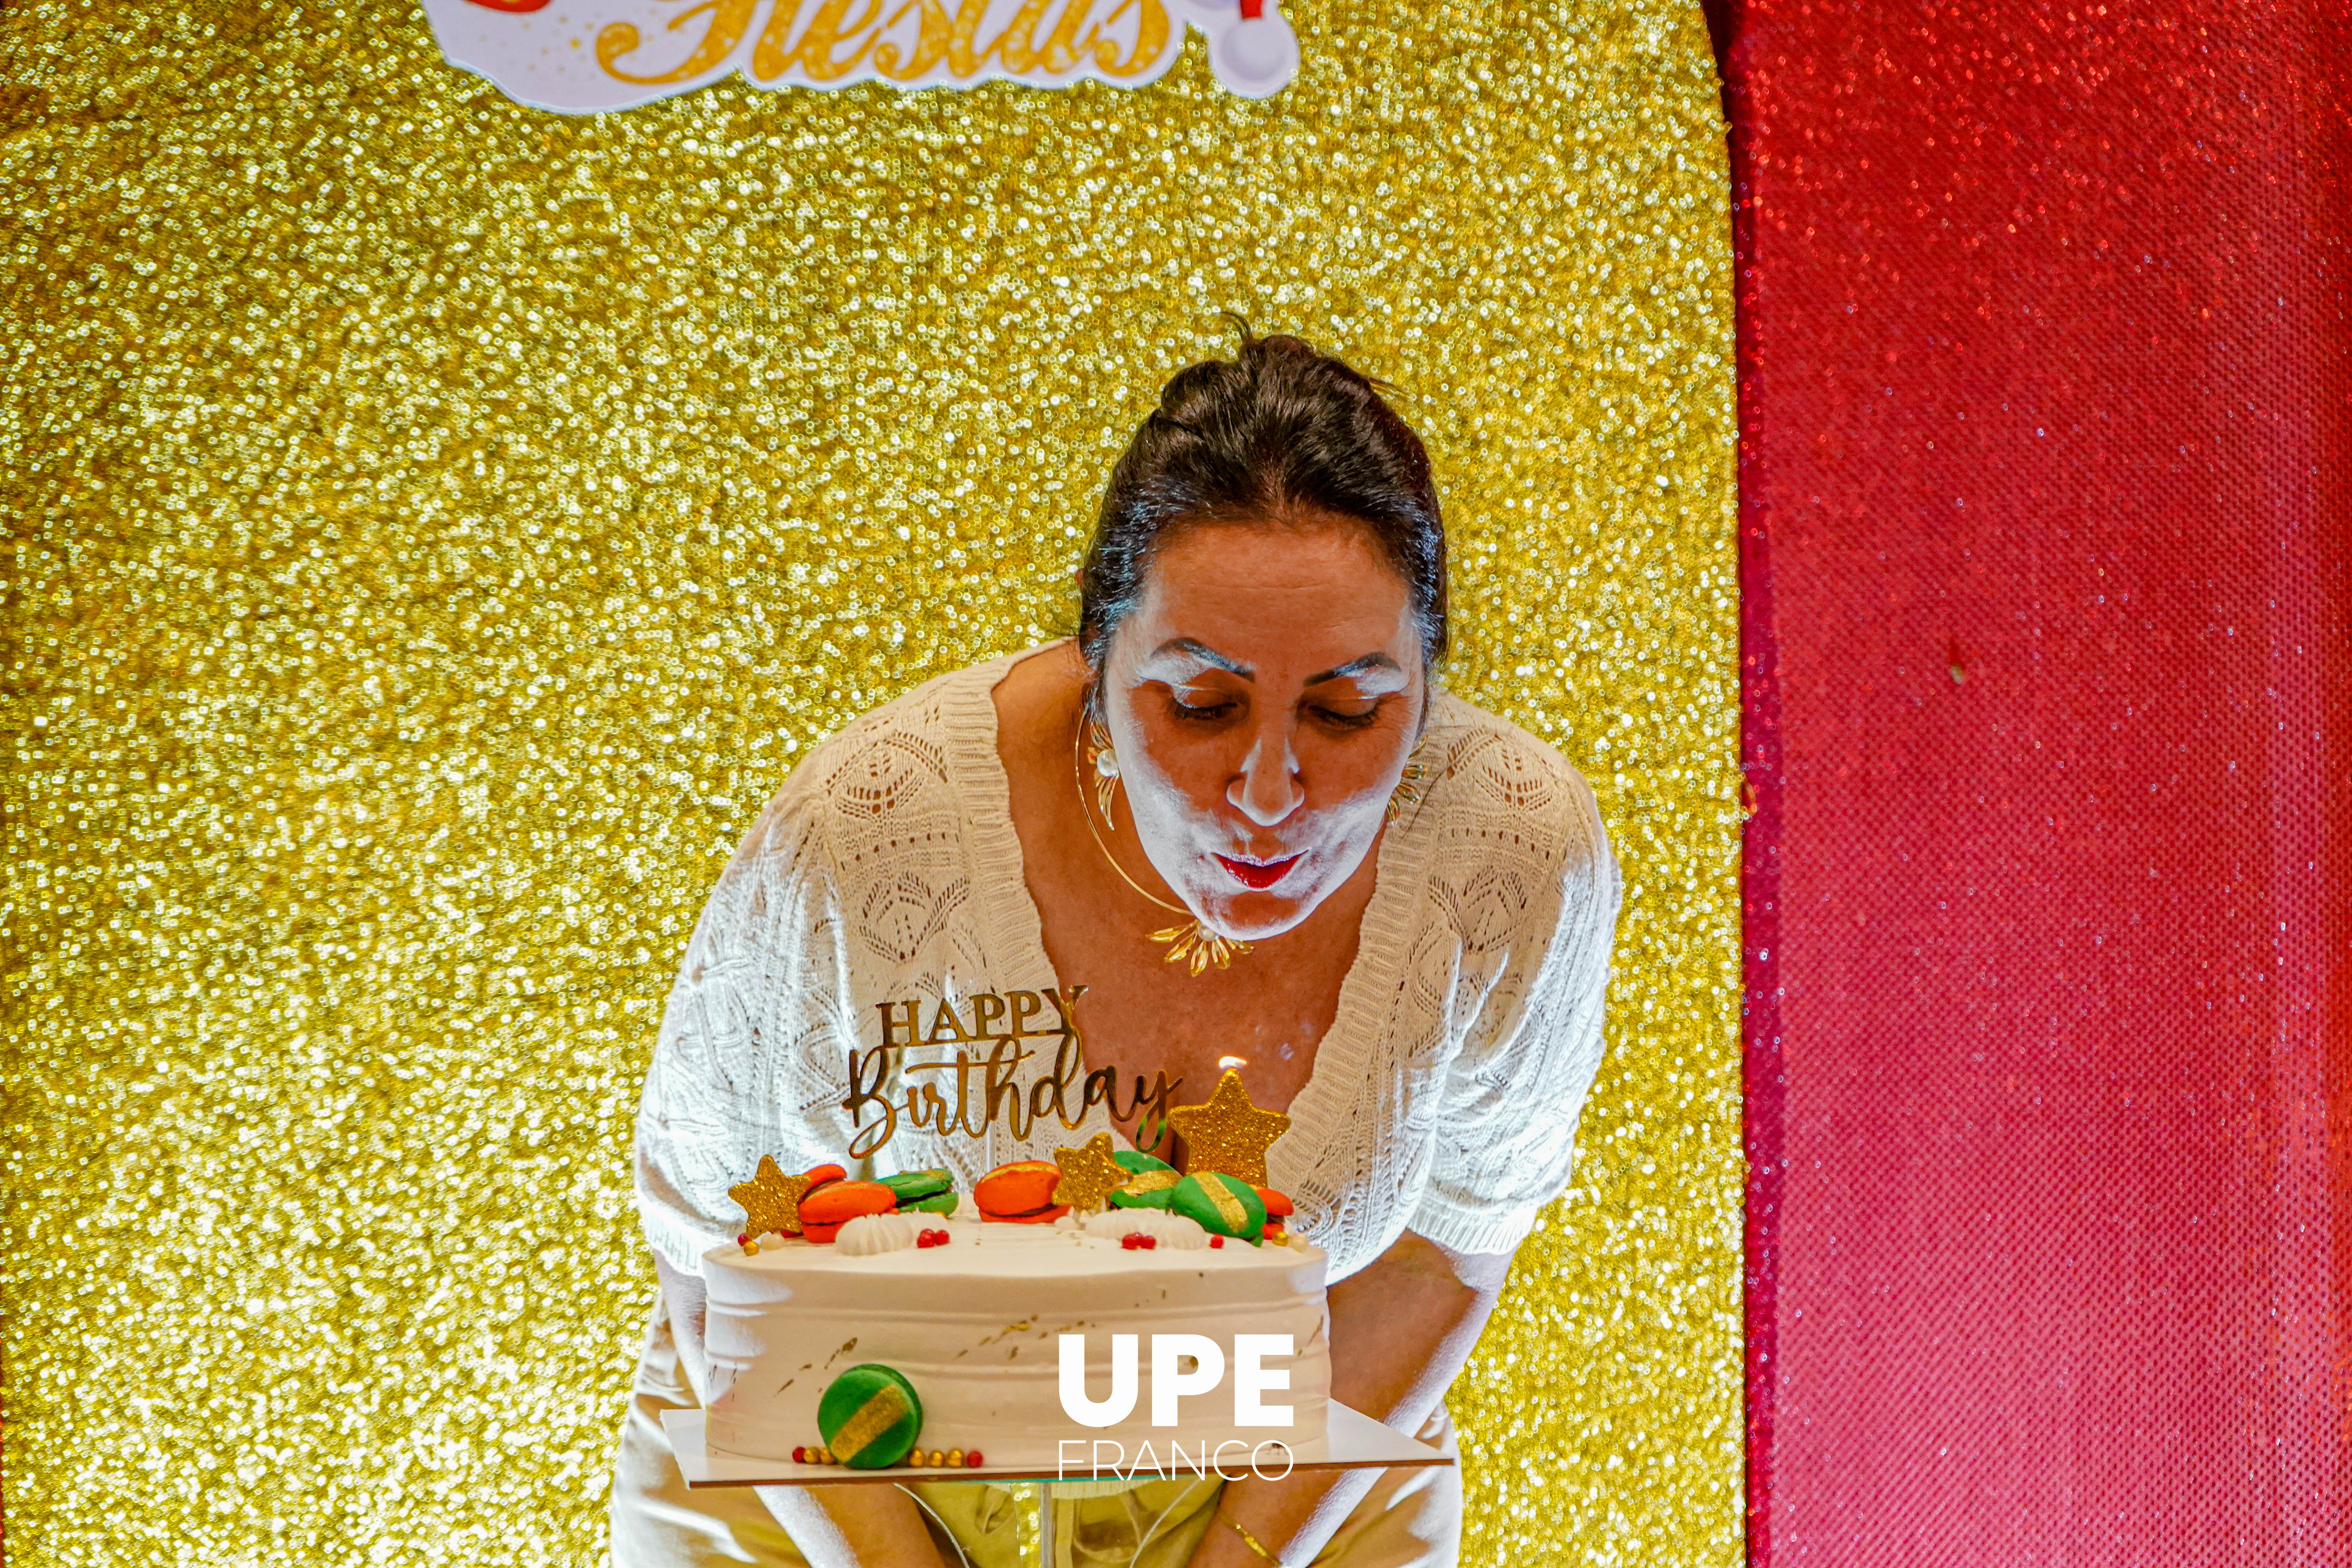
x,y
1197,947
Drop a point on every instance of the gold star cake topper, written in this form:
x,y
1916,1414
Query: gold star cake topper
x,y
771,1200
1228,1133
1089,1174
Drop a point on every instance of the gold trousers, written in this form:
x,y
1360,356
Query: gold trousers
x,y
1411,1518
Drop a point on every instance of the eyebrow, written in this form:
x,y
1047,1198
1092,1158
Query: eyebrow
x,y
1209,656
1371,661
1206,654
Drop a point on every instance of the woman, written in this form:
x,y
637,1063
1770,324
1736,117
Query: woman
x,y
1395,908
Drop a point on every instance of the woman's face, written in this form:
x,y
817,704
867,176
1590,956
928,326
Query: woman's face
x,y
1262,701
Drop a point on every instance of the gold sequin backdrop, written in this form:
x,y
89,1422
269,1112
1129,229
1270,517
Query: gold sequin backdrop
x,y
436,527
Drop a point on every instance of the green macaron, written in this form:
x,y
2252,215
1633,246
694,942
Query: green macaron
x,y
912,1187
1150,1180
1220,1205
938,1203
870,1417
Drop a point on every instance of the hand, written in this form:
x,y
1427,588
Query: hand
x,y
1406,1324
1220,1548
1291,1518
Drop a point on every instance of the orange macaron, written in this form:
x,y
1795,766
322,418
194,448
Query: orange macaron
x,y
829,1207
1021,1193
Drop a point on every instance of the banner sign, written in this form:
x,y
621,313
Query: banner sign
x,y
586,56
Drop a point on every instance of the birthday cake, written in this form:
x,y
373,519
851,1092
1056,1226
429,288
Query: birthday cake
x,y
1099,1298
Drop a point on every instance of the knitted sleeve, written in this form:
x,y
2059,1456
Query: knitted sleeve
x,y
748,1058
1505,1133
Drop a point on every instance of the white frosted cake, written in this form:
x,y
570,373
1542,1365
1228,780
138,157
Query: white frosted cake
x,y
973,1325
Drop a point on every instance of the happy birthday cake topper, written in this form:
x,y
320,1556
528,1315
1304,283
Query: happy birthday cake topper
x,y
986,1087
586,56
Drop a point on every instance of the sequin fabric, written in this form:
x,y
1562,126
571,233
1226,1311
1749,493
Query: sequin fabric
x,y
2049,556
436,526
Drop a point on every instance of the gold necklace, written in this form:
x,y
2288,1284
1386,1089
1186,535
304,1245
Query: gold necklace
x,y
1192,943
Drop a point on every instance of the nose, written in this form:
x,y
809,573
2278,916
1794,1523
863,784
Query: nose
x,y
1267,789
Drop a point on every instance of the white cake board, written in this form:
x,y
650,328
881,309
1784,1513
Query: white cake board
x,y
1352,1441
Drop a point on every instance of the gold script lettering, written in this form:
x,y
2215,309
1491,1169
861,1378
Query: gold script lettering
x,y
1062,48
961,61
947,1027
1065,1005
931,46
1150,40
891,1024
865,1091
987,1008
1051,1091
728,20
987,1090
1004,1095
1025,1007
770,57
961,1119
1161,1092
1016,46
824,30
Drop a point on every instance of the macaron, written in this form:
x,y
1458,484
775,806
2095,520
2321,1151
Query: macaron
x,y
870,1417
938,1203
1220,1204
1021,1191
1148,1182
1278,1204
826,1210
914,1185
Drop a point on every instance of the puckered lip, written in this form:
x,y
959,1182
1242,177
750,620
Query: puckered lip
x,y
1258,875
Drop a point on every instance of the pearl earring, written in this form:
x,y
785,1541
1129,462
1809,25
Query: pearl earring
x,y
1106,765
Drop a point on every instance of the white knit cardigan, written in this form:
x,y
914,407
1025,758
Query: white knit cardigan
x,y
1442,1099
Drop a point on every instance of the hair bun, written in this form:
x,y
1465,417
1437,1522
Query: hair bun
x,y
1279,430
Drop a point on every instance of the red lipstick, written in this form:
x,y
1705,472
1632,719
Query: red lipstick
x,y
1258,875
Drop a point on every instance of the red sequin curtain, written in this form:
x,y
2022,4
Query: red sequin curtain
x,y
2046,521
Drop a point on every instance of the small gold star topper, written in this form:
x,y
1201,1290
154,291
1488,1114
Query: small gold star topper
x,y
1089,1175
1228,1133
771,1200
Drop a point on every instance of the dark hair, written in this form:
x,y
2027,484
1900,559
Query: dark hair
x,y
1280,431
